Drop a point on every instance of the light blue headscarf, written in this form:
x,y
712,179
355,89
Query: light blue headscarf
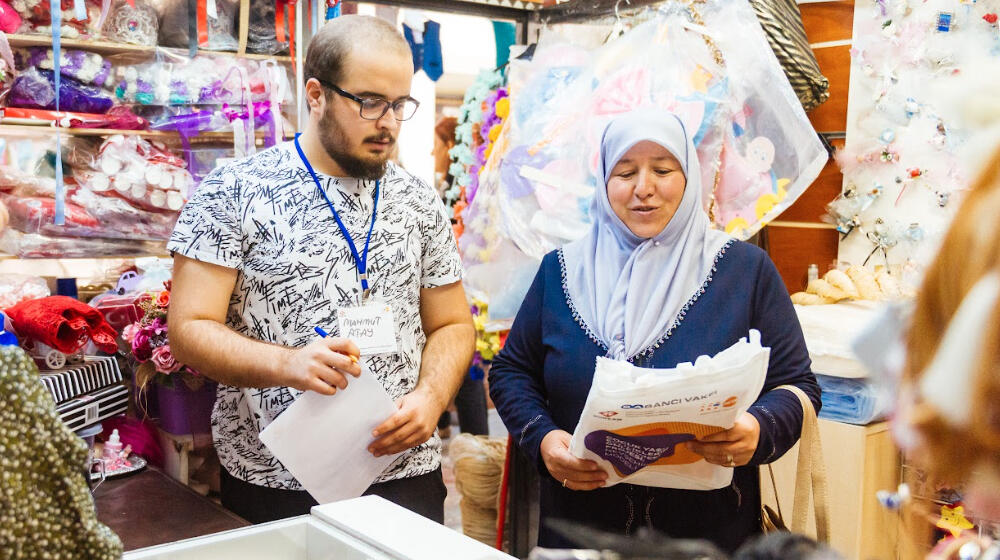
x,y
628,289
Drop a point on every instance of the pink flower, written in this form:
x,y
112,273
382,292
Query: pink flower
x,y
164,360
141,347
129,332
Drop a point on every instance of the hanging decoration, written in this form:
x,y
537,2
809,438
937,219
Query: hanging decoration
x,y
902,169
467,158
532,194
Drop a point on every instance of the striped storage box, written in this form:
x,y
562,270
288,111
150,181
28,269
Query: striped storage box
x,y
86,410
97,372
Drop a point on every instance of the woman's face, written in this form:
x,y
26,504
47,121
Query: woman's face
x,y
442,161
645,188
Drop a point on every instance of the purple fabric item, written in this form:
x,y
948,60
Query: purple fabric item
x,y
470,190
513,183
73,64
35,89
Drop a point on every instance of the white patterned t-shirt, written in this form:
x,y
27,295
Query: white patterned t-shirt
x,y
265,217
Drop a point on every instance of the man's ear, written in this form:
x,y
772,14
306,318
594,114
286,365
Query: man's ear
x,y
315,96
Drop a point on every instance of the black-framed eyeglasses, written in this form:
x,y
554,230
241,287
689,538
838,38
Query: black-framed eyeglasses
x,y
374,108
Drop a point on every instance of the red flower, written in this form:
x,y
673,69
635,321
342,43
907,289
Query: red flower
x,y
163,299
990,18
141,347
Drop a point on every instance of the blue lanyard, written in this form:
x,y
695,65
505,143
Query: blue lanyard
x,y
361,261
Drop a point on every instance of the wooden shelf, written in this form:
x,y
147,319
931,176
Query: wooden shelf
x,y
108,48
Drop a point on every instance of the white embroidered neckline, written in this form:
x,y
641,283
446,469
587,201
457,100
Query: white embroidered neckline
x,y
648,351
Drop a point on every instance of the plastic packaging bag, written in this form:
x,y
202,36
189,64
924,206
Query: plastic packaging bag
x,y
758,151
261,37
14,181
36,88
636,420
853,401
15,288
27,190
38,18
155,271
134,22
174,79
85,67
144,173
220,34
37,246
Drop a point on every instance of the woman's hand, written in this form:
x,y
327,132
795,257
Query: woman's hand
x,y
733,447
574,473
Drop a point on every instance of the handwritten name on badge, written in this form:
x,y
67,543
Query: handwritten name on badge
x,y
372,327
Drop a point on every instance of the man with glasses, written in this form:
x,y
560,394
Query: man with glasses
x,y
303,235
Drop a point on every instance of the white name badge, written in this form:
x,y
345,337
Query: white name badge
x,y
371,326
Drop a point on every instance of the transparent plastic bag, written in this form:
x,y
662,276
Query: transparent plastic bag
x,y
172,78
134,22
85,67
15,288
38,18
758,151
262,37
14,181
220,34
36,88
144,173
27,188
38,246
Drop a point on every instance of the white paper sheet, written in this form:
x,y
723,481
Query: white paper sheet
x,y
323,440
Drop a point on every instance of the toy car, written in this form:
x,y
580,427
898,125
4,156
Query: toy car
x,y
48,358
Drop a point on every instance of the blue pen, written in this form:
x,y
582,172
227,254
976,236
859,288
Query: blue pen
x,y
324,334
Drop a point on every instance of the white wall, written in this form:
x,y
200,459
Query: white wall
x,y
467,47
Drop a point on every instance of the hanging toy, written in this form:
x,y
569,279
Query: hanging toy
x,y
953,520
894,501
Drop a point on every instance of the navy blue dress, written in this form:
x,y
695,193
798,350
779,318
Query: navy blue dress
x,y
540,382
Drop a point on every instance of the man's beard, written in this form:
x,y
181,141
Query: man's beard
x,y
335,142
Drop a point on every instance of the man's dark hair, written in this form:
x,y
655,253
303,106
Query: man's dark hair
x,y
328,49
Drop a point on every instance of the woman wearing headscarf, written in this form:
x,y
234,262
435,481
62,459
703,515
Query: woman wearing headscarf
x,y
653,284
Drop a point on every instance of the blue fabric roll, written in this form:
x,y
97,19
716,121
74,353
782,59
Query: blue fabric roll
x,y
853,401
